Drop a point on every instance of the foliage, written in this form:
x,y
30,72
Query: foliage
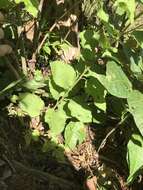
x,y
74,93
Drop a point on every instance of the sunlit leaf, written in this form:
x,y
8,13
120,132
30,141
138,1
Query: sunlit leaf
x,y
75,133
97,91
103,15
134,156
63,74
55,90
127,6
80,111
135,102
89,38
115,81
56,120
31,104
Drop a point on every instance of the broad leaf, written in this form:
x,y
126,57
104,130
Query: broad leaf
x,y
127,6
75,133
135,102
115,81
103,15
63,74
31,104
80,110
33,85
97,91
89,38
134,156
56,120
37,82
55,90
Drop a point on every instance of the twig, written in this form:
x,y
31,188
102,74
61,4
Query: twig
x,y
105,139
40,6
37,30
112,131
54,25
20,35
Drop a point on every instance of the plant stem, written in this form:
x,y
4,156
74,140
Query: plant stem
x,y
110,133
20,35
54,25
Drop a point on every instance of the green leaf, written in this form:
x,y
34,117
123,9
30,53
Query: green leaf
x,y
47,49
134,156
103,15
135,102
31,6
33,84
127,6
115,81
63,74
104,41
97,91
55,90
37,82
74,133
56,120
89,38
135,68
80,111
31,104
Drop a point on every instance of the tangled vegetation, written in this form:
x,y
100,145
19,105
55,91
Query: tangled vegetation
x,y
71,80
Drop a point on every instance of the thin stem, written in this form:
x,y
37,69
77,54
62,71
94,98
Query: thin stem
x,y
111,132
37,30
54,25
20,35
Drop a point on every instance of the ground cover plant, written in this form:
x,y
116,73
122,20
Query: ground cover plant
x,y
71,79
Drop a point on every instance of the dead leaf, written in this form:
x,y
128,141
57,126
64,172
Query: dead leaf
x,y
70,54
29,29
